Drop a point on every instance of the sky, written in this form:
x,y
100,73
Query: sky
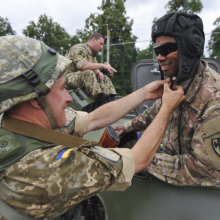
x,y
71,14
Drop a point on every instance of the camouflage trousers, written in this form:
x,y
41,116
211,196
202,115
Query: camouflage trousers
x,y
89,80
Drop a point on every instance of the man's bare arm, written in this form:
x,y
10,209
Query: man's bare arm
x,y
95,66
145,149
113,111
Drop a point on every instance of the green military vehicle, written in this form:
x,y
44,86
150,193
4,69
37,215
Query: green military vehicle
x,y
149,197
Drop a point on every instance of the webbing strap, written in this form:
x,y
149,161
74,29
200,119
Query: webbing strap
x,y
44,104
9,213
40,133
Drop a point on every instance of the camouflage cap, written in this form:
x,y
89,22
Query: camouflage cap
x,y
17,55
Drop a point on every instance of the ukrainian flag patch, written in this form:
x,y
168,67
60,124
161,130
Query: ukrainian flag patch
x,y
63,154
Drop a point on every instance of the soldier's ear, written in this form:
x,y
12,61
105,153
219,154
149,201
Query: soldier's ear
x,y
34,103
93,39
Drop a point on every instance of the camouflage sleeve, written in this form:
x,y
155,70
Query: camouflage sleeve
x,y
51,181
76,122
142,121
78,55
201,167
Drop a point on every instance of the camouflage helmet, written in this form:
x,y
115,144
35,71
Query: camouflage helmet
x,y
28,69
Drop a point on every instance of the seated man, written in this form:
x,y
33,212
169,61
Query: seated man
x,y
44,171
84,70
192,139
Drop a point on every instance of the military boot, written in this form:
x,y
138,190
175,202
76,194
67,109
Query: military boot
x,y
100,98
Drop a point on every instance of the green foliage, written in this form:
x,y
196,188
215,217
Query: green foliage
x,y
214,42
3,26
147,53
122,57
50,32
189,6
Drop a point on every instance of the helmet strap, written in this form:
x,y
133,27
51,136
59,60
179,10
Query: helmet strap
x,y
44,104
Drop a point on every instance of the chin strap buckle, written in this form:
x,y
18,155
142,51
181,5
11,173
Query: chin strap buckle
x,y
33,78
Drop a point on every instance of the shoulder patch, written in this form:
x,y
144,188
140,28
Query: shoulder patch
x,y
106,153
63,154
79,57
216,145
80,46
70,116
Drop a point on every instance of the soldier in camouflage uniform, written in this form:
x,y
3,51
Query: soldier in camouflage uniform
x,y
84,70
198,132
45,179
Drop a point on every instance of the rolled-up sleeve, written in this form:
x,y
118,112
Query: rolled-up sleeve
x,y
123,181
81,123
76,122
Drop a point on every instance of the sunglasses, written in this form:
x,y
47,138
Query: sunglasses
x,y
166,48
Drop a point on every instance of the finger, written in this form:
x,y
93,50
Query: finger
x,y
120,133
167,87
113,69
180,88
115,128
175,87
168,80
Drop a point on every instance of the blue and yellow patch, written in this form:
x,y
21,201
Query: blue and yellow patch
x,y
63,154
80,46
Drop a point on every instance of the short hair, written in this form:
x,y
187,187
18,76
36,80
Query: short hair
x,y
97,36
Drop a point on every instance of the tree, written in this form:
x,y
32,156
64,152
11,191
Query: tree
x,y
50,32
4,23
122,56
214,42
146,53
189,6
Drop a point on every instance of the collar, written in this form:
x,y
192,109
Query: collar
x,y
196,84
185,83
93,53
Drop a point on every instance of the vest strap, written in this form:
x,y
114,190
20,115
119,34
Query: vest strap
x,y
43,134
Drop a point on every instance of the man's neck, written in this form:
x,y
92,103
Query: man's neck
x,y
27,113
93,52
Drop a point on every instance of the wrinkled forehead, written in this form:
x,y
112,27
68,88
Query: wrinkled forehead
x,y
164,39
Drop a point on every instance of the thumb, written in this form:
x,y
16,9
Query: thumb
x,y
162,82
166,87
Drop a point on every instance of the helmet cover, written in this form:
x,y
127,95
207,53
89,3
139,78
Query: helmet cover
x,y
18,54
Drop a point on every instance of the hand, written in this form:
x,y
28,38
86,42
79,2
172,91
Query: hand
x,y
119,128
108,67
101,77
171,99
155,89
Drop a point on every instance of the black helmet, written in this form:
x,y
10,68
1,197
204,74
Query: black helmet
x,y
187,29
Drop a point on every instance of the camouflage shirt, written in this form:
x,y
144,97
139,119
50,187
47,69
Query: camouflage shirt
x,y
48,182
79,54
200,135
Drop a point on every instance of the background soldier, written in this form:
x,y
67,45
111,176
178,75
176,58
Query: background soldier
x,y
44,172
191,141
84,70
